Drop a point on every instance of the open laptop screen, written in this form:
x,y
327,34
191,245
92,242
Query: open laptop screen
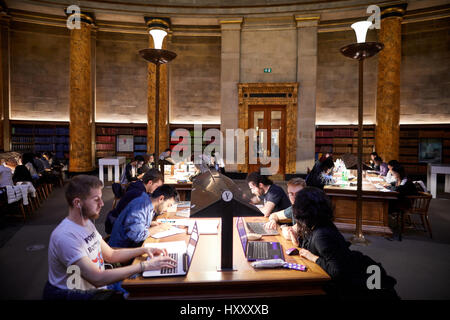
x,y
192,244
242,233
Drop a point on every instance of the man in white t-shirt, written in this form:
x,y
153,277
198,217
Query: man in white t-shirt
x,y
77,253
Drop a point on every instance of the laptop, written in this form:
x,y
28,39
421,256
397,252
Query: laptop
x,y
178,251
258,250
258,228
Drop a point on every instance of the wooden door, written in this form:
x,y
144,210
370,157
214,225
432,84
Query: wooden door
x,y
269,140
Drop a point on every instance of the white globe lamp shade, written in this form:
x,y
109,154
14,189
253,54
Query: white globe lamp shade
x,y
158,37
361,28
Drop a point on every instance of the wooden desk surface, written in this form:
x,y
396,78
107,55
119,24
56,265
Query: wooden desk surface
x,y
369,190
203,281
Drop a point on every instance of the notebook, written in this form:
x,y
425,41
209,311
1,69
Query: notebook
x,y
180,252
258,250
258,228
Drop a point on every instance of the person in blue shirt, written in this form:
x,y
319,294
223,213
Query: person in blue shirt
x,y
131,227
151,180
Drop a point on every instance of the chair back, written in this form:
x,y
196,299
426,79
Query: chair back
x,y
117,190
420,203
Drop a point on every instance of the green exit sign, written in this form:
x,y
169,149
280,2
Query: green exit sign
x,y
267,70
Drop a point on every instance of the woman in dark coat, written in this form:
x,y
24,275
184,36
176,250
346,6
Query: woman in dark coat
x,y
322,243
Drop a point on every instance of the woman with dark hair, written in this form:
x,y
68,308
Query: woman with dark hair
x,y
322,243
390,179
28,161
321,174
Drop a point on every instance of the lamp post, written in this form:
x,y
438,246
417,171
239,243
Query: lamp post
x,y
158,57
360,51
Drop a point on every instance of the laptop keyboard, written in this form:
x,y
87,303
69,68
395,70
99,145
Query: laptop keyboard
x,y
258,250
258,228
166,270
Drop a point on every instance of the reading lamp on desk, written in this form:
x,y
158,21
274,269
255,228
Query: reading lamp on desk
x,y
217,196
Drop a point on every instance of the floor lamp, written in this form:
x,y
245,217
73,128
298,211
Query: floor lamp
x,y
158,57
360,51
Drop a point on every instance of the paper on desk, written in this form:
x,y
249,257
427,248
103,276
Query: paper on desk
x,y
204,226
183,204
168,233
185,213
375,179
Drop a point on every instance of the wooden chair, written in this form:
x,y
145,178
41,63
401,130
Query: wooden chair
x,y
419,205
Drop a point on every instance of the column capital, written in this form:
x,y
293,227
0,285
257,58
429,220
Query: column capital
x,y
395,10
157,23
307,20
86,17
231,23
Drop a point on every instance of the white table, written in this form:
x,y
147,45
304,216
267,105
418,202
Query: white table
x,y
116,162
432,172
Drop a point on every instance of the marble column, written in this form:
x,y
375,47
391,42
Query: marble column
x,y
5,136
307,79
387,128
229,80
164,137
81,107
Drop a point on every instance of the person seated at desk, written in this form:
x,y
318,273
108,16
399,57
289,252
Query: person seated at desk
x,y
371,164
274,197
6,174
380,166
151,180
321,175
166,157
323,244
405,187
76,243
131,227
289,232
130,173
390,179
149,163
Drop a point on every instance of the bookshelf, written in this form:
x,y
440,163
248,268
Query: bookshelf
x,y
108,133
40,136
343,139
177,145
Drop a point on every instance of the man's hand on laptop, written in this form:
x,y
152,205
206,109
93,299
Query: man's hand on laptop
x,y
272,224
151,252
159,262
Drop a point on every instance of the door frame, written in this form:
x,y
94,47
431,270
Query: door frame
x,y
267,109
282,94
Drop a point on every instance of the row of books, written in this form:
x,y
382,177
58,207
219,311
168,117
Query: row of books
x,y
140,139
103,146
22,139
40,131
140,147
111,139
113,131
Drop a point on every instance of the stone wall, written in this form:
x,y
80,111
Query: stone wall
x,y
121,78
425,72
271,44
194,88
39,72
337,81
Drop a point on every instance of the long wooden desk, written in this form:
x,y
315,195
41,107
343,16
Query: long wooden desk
x,y
183,189
375,207
203,281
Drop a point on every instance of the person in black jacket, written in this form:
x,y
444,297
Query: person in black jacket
x,y
320,175
151,180
322,243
